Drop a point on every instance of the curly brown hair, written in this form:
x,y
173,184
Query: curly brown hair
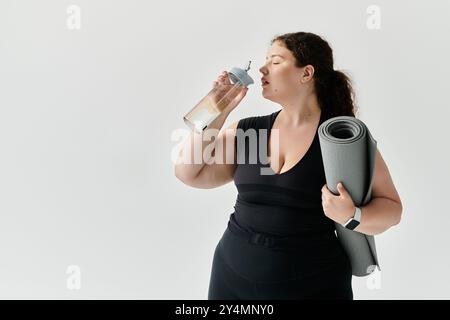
x,y
333,88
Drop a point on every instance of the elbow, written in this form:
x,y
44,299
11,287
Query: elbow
x,y
188,180
180,175
397,217
176,172
398,214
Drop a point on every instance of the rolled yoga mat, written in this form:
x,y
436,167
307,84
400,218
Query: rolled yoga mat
x,y
348,153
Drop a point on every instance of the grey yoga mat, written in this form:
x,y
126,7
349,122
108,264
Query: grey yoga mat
x,y
348,153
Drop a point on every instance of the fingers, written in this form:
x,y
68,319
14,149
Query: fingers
x,y
241,94
223,84
224,78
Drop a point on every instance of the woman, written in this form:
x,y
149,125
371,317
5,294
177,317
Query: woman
x,y
280,241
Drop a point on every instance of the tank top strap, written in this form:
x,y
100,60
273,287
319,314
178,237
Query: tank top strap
x,y
254,122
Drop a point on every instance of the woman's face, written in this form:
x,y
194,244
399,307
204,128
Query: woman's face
x,y
283,76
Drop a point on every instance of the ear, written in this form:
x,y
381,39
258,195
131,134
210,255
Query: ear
x,y
307,73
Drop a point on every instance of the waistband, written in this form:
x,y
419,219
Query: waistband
x,y
274,241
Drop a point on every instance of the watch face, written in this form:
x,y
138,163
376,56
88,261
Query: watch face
x,y
352,224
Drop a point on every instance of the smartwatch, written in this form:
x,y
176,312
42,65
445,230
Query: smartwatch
x,y
353,222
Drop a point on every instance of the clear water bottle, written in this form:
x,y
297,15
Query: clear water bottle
x,y
212,105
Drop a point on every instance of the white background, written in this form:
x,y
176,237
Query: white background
x,y
86,175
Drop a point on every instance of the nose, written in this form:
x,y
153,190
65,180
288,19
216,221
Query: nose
x,y
262,69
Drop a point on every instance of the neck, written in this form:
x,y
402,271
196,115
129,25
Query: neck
x,y
304,110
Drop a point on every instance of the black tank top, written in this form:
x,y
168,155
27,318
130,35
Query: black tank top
x,y
286,204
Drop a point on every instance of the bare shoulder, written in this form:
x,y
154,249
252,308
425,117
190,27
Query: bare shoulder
x,y
233,125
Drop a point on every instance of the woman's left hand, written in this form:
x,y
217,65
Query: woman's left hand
x,y
339,208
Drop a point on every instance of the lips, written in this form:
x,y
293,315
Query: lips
x,y
264,82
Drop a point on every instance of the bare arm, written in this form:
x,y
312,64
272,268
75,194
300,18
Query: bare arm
x,y
198,171
212,169
385,208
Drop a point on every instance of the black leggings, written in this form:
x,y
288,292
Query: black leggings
x,y
244,270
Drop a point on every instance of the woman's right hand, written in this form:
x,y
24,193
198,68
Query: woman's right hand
x,y
221,87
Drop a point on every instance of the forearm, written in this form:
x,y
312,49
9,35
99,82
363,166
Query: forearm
x,y
378,215
192,157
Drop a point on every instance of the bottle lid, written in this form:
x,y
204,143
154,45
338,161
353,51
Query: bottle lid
x,y
238,75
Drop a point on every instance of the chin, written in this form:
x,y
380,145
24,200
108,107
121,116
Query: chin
x,y
267,96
